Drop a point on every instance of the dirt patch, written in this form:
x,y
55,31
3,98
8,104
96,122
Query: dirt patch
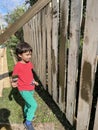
x,y
37,126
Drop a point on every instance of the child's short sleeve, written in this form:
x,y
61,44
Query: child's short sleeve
x,y
15,70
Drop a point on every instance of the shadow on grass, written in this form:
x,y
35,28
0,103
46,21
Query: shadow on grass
x,y
14,94
55,109
46,97
4,119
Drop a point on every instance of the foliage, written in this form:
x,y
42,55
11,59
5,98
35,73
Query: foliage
x,y
19,34
11,43
31,2
13,16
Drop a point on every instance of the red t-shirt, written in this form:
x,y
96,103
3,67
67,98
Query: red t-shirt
x,y
25,76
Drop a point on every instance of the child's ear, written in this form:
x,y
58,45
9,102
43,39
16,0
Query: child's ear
x,y
19,55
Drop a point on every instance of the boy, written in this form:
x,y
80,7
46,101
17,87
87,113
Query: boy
x,y
22,78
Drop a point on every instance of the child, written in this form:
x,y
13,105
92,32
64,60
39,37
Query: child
x,y
22,78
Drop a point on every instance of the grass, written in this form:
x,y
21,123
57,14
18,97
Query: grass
x,y
12,102
11,108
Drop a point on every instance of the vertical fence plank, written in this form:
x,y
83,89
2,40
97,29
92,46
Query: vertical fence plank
x,y
63,52
41,47
39,44
74,42
55,48
1,70
49,43
25,30
88,65
34,44
6,80
32,40
44,48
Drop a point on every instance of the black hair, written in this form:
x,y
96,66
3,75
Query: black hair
x,y
22,48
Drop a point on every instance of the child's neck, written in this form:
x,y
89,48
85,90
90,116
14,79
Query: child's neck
x,y
23,62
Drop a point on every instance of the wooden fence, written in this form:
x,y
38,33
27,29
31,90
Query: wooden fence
x,y
65,59
55,36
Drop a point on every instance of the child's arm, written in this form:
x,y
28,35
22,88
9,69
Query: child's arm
x,y
34,81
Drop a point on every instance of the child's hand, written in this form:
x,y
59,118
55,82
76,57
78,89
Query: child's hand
x,y
14,83
36,83
14,80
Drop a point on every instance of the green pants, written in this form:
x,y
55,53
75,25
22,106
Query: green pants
x,y
30,104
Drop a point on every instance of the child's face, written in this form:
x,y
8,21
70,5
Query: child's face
x,y
25,57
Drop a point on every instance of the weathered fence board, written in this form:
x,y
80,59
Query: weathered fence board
x,y
49,44
36,46
63,52
88,65
39,42
1,71
4,75
74,42
55,48
6,79
35,43
32,39
44,48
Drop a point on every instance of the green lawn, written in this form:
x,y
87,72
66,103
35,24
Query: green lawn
x,y
12,102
